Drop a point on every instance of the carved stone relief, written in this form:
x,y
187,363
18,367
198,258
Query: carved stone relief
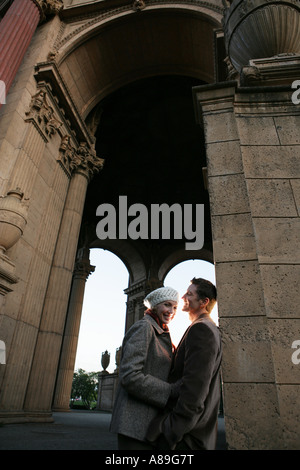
x,y
79,24
43,114
67,155
49,7
83,158
138,5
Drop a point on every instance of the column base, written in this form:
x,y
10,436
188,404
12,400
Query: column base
x,y
63,409
21,417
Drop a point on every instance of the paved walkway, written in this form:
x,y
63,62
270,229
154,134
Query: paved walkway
x,y
76,430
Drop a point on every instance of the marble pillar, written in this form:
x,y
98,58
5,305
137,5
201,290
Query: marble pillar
x,y
68,355
16,31
53,320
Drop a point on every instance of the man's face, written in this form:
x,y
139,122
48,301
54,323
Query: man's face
x,y
191,302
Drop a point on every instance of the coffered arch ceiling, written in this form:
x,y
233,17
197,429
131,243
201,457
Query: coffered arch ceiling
x,y
101,59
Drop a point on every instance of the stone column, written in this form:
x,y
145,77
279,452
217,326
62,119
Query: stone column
x,y
259,311
45,200
48,346
252,149
68,355
16,31
269,123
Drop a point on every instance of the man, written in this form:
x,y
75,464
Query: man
x,y
191,421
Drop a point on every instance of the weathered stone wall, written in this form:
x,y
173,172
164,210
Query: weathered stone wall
x,y
269,126
41,154
253,151
252,139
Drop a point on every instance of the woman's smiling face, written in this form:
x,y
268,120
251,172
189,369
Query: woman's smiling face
x,y
166,310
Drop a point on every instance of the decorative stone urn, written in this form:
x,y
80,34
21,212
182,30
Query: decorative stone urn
x,y
12,219
256,29
105,359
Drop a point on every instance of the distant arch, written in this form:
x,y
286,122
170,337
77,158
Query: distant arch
x,y
103,311
127,254
180,256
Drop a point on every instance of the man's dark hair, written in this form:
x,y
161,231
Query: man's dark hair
x,y
205,288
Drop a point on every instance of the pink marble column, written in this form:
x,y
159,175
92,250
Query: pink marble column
x,y
16,30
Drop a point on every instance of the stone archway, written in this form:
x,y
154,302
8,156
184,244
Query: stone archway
x,y
54,157
86,59
76,61
103,55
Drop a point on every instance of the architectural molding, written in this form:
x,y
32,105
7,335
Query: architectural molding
x,y
81,157
282,69
64,120
92,14
43,115
49,78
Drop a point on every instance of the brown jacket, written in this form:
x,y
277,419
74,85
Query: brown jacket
x,y
193,418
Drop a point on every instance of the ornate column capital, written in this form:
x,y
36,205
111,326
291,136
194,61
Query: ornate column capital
x,y
48,8
83,269
82,160
67,155
88,162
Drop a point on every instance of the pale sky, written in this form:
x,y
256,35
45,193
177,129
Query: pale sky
x,y
104,307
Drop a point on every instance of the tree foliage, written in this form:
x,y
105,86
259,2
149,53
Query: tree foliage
x,y
85,387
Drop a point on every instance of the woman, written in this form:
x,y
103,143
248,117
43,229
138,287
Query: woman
x,y
144,369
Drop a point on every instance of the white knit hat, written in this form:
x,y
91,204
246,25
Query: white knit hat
x,y
161,295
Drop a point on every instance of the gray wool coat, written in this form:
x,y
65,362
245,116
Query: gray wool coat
x,y
144,369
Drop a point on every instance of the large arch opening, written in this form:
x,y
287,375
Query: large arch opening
x,y
136,98
154,155
179,277
153,149
105,55
103,311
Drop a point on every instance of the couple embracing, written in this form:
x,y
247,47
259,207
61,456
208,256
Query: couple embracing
x,y
169,398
